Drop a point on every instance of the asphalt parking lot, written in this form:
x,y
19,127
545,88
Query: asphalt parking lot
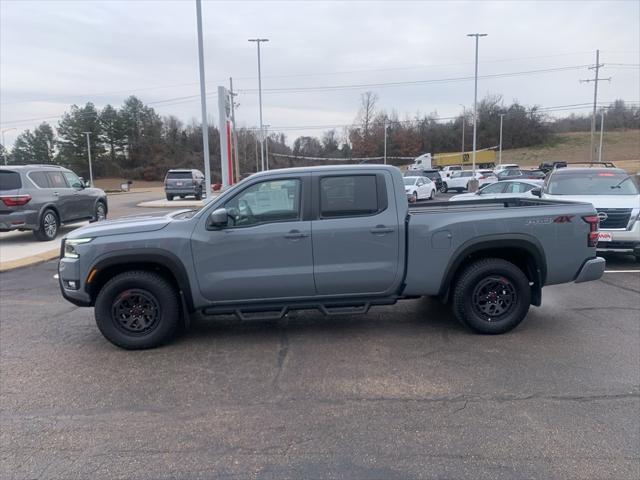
x,y
404,392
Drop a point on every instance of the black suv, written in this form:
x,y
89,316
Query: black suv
x,y
434,175
42,197
182,183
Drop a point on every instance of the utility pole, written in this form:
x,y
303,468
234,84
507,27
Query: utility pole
x,y
236,161
257,166
89,154
386,125
601,134
595,81
475,99
464,120
4,145
500,154
203,104
258,41
266,144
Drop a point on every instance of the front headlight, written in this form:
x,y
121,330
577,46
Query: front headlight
x,y
70,246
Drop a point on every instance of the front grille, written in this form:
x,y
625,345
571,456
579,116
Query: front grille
x,y
616,217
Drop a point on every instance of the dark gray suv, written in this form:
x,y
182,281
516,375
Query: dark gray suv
x,y
42,197
181,183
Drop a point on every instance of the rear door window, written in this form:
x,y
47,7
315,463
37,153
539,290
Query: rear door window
x,y
346,196
10,180
56,180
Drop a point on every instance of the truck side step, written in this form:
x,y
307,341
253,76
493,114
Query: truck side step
x,y
275,311
344,309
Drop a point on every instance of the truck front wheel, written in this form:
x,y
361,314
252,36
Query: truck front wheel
x,y
137,309
491,296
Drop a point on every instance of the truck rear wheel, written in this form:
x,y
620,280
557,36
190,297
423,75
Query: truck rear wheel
x,y
137,309
491,296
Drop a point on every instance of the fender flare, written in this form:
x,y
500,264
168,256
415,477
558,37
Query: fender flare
x,y
491,242
156,256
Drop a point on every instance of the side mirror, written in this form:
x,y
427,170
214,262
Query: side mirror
x,y
83,183
218,218
536,192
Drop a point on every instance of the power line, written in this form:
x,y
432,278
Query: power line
x,y
414,82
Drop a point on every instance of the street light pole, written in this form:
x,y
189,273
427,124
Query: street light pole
x,y
89,154
258,41
203,104
601,134
3,144
464,120
475,99
266,145
386,125
500,154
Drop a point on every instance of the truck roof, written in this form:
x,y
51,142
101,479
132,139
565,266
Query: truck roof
x,y
321,168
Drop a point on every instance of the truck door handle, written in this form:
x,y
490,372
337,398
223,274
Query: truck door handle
x,y
381,230
55,193
296,235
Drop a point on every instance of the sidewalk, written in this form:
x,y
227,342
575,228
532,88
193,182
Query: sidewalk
x,y
19,249
177,203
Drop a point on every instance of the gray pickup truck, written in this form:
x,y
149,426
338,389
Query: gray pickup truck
x,y
335,239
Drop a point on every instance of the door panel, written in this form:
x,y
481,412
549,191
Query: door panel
x,y
266,251
63,195
355,254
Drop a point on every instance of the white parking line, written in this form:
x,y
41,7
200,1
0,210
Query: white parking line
x,y
622,271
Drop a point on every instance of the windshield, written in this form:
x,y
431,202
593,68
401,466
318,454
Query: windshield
x,y
592,183
179,175
409,181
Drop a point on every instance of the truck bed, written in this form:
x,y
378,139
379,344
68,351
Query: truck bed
x,y
425,206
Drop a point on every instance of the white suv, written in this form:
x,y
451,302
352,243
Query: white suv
x,y
614,195
459,181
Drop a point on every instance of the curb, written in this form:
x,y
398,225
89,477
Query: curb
x,y
27,261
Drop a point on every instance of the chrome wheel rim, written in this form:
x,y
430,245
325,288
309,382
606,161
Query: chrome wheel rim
x,y
494,297
100,212
50,223
135,312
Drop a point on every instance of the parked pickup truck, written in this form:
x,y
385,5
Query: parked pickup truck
x,y
335,239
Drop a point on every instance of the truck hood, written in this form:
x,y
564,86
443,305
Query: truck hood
x,y
133,224
600,201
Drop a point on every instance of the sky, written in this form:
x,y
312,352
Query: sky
x,y
57,53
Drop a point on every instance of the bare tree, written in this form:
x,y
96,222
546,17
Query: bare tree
x,y
367,112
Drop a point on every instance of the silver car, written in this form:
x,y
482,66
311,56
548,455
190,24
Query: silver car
x,y
42,197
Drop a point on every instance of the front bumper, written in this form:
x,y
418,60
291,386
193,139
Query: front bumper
x,y
591,270
69,270
622,241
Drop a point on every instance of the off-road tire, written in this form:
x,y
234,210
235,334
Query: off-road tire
x,y
469,286
126,285
445,187
47,230
169,197
199,194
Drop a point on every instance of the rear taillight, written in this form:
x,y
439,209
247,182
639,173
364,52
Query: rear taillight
x,y
592,236
15,200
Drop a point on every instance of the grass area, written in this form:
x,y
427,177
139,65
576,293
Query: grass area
x,y
621,147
